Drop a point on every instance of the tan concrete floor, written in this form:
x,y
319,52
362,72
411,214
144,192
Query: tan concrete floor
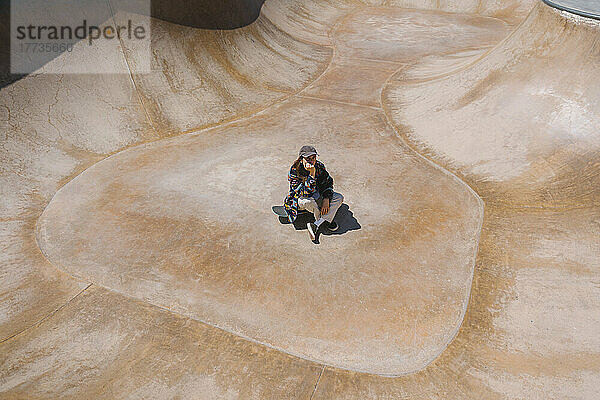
x,y
463,136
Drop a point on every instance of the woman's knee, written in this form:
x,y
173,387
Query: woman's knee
x,y
307,202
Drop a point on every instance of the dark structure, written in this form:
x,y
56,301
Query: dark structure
x,y
203,14
208,14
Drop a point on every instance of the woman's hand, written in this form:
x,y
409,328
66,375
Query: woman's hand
x,y
309,167
325,206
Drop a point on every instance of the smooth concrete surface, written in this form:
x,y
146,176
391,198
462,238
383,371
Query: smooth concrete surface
x,y
306,310
173,228
202,78
104,346
541,101
140,258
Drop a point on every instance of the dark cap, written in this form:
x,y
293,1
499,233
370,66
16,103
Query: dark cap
x,y
307,151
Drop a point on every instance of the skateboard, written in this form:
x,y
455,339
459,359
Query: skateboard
x,y
280,210
283,217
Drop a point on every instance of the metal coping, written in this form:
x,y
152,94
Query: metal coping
x,y
584,8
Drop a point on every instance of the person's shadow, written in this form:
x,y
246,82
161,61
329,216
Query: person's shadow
x,y
344,218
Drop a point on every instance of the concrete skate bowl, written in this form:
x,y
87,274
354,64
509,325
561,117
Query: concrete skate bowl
x,y
139,237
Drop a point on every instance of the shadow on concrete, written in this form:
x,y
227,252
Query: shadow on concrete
x,y
208,14
344,218
6,78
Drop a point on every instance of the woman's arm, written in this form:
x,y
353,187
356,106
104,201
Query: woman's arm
x,y
325,182
304,186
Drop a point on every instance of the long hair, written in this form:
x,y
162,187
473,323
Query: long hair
x,y
297,163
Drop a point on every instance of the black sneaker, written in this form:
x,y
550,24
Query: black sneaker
x,y
333,226
312,230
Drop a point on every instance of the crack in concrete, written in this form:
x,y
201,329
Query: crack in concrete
x,y
317,384
41,321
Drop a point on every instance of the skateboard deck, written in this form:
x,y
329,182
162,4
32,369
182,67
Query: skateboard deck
x,y
303,217
280,210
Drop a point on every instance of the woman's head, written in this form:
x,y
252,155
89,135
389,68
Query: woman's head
x,y
311,159
308,153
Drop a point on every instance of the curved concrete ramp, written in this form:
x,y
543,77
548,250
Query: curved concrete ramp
x,y
187,225
133,266
541,101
